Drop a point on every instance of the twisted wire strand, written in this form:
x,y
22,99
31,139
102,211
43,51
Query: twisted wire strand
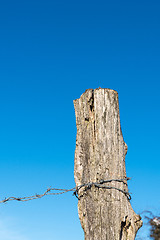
x,y
100,185
75,190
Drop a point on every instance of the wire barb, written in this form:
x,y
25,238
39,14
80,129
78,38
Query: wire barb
x,y
75,190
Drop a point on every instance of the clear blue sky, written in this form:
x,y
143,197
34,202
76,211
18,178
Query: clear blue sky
x,y
50,53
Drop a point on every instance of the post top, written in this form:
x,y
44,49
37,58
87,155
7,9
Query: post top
x,y
97,89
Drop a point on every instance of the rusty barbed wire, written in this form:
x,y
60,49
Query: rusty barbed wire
x,y
75,190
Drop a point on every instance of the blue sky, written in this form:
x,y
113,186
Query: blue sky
x,y
50,53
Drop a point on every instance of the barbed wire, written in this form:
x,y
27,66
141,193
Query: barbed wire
x,y
36,196
75,190
100,185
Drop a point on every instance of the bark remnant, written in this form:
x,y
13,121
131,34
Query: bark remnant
x,y
105,214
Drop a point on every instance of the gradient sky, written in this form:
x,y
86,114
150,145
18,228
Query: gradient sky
x,y
50,53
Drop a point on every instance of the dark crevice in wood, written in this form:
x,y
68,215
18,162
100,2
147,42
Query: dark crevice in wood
x,y
91,101
123,224
87,119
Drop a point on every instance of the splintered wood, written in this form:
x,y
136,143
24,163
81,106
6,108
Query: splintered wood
x,y
105,214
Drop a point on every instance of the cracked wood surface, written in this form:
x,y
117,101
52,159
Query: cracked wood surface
x,y
105,214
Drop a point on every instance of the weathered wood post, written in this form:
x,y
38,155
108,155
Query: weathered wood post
x,y
105,214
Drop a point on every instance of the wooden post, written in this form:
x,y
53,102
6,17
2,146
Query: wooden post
x,y
105,214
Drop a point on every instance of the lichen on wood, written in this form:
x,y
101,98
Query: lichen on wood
x,y
105,214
